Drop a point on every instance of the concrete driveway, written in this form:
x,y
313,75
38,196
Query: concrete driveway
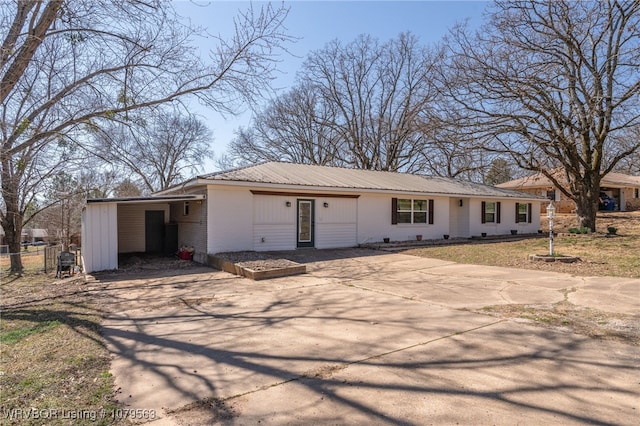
x,y
366,337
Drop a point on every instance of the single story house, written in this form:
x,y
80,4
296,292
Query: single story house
x,y
285,206
618,191
36,235
28,236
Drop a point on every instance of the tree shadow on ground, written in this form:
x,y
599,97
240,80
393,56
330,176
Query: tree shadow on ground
x,y
229,333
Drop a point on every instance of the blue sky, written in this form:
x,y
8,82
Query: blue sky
x,y
318,22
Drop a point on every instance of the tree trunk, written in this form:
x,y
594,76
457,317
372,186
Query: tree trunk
x,y
586,200
14,248
13,236
12,220
586,212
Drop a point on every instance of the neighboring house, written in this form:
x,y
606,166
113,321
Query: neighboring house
x,y
28,236
36,235
284,206
617,191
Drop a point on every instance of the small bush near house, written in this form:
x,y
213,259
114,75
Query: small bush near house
x,y
612,230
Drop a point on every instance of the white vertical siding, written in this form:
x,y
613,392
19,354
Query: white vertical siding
x,y
337,224
131,217
99,237
274,224
229,219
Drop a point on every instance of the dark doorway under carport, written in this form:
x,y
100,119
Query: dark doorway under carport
x,y
154,231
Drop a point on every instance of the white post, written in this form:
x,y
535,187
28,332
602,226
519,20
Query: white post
x,y
550,237
551,214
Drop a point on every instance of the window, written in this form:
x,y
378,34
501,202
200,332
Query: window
x,y
406,210
490,212
412,211
185,208
636,193
523,212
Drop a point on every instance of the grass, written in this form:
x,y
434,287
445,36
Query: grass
x,y
32,260
601,255
54,366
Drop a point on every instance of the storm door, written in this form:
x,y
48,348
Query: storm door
x,y
305,223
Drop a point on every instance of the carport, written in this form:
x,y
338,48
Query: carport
x,y
139,225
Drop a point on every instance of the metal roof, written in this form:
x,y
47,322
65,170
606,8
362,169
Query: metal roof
x,y
147,199
327,177
540,180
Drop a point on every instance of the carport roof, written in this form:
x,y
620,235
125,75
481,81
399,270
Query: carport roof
x,y
147,199
327,177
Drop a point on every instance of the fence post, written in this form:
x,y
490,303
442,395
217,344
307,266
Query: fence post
x,y
51,257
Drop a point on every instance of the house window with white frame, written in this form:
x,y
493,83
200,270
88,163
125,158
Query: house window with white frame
x,y
523,212
490,212
636,193
411,211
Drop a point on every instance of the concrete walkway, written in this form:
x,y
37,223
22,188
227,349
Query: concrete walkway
x,y
367,338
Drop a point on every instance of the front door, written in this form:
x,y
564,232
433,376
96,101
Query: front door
x,y
153,231
305,223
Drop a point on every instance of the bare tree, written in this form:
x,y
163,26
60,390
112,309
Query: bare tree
x,y
297,127
363,102
160,150
67,67
33,169
448,150
551,84
626,140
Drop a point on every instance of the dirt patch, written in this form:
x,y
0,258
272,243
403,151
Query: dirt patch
x,y
575,319
39,289
324,372
206,411
149,262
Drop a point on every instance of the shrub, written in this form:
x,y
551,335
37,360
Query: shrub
x,y
612,230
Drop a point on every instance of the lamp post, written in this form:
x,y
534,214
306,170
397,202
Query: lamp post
x,y
551,214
